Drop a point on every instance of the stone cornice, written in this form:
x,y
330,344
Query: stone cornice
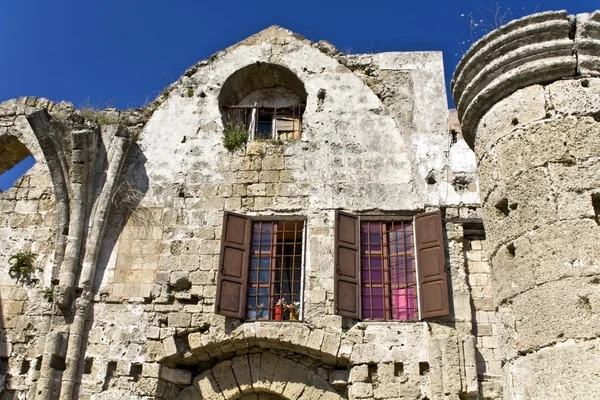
x,y
536,49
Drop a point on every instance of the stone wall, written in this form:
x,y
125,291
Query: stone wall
x,y
532,117
133,314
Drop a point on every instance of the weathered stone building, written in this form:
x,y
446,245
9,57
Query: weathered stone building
x,y
339,253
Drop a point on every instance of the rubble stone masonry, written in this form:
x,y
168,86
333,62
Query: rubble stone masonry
x,y
125,211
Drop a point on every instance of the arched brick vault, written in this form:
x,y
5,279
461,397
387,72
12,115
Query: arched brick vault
x,y
211,345
263,372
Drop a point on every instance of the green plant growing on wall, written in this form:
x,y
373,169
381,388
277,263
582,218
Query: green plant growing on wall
x,y
234,136
48,293
22,267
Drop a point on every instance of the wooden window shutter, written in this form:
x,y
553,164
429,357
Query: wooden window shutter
x,y
232,279
347,265
431,264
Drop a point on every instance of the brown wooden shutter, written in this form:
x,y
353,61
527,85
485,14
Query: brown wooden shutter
x,y
431,265
232,279
347,265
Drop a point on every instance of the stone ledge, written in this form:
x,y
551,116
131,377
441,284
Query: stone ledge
x,y
536,49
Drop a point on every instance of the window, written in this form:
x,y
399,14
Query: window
x,y
388,276
261,268
390,269
282,123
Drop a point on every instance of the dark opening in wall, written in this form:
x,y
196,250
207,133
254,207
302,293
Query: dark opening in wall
x,y
57,362
87,367
135,371
15,161
423,368
398,369
25,364
511,249
3,366
38,363
110,371
372,373
596,205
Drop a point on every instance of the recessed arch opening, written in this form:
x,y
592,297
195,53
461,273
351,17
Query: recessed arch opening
x,y
15,161
262,376
267,100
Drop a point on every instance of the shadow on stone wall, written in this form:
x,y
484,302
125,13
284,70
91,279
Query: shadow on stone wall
x,y
132,187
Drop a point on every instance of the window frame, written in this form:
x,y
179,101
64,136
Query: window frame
x,y
252,113
226,297
433,296
386,255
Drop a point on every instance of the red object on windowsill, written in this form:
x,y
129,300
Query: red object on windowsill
x,y
278,313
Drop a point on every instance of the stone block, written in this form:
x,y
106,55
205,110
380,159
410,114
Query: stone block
x,y
225,378
206,384
273,162
315,388
519,206
330,347
315,340
281,375
360,390
571,314
5,349
12,307
241,370
254,360
151,370
179,320
574,367
297,382
537,251
178,377
188,393
131,290
571,97
525,106
359,373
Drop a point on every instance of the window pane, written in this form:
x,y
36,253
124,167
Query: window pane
x,y
388,270
264,275
404,304
275,269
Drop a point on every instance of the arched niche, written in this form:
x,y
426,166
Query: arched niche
x,y
267,100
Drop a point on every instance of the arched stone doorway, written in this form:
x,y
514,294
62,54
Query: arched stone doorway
x,y
262,376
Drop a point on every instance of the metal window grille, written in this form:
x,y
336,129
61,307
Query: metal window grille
x,y
275,276
388,273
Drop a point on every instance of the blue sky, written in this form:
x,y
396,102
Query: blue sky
x,y
123,53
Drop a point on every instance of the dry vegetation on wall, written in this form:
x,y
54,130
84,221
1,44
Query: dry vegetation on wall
x,y
487,18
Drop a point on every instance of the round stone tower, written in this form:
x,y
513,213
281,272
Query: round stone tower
x,y
528,97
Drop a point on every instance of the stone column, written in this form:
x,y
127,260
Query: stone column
x,y
528,97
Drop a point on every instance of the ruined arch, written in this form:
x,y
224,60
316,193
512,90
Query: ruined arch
x,y
15,160
266,375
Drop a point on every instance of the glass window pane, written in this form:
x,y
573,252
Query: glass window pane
x,y
264,276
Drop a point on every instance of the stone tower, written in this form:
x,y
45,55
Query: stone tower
x,y
528,97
